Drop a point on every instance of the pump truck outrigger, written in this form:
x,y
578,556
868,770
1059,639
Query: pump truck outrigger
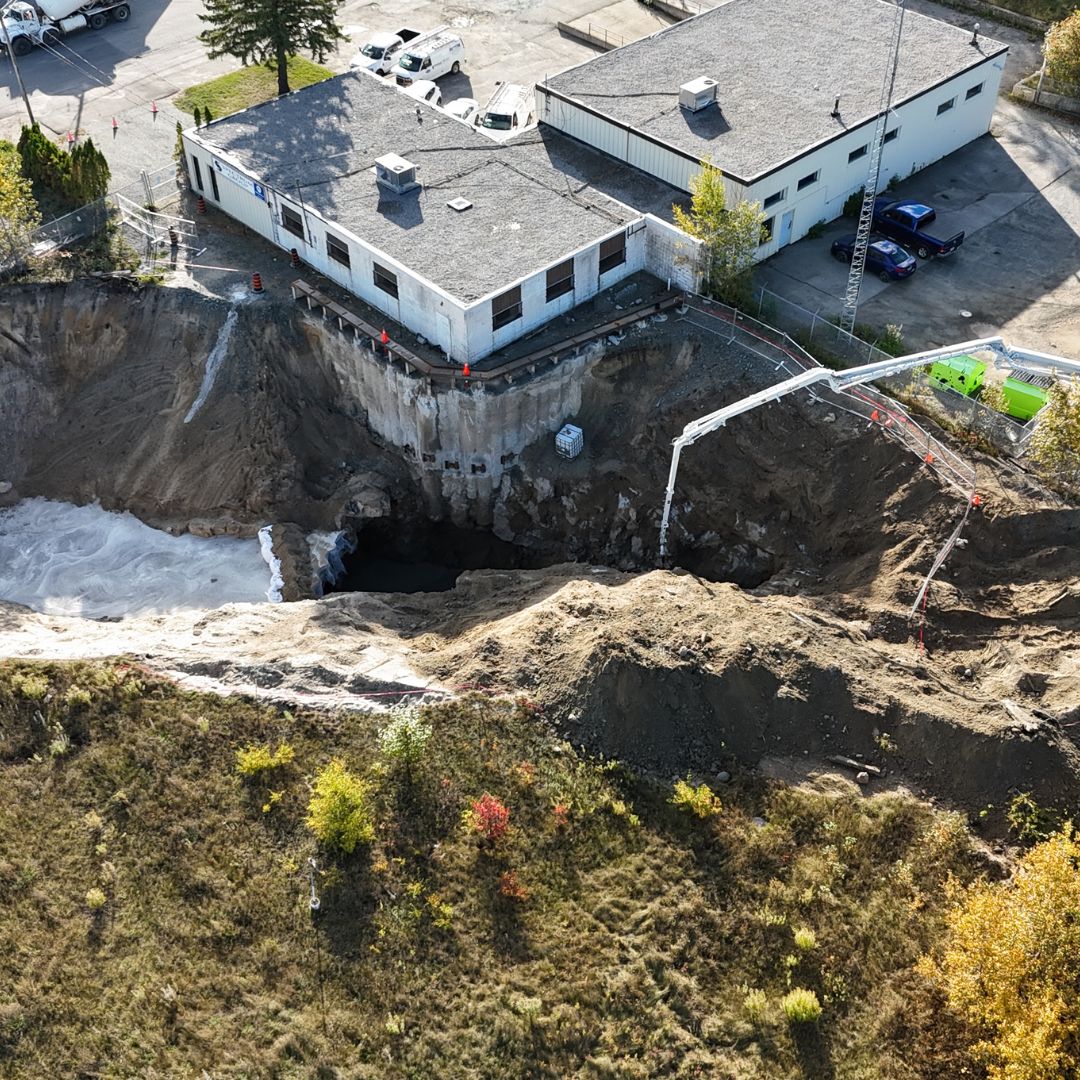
x,y
45,22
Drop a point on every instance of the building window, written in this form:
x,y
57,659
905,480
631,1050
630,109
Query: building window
x,y
612,253
213,185
767,230
198,172
890,135
385,279
945,106
856,154
292,222
337,250
506,308
973,91
560,280
773,199
806,181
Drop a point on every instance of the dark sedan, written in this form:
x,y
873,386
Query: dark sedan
x,y
888,260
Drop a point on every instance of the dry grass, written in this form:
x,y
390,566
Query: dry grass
x,y
629,947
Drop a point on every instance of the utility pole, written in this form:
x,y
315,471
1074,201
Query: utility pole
x,y
15,65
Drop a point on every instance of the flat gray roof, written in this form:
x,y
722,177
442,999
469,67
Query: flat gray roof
x,y
535,199
779,66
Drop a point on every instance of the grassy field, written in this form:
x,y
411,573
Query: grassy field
x,y
155,905
248,86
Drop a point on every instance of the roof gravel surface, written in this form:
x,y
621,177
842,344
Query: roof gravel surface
x,y
779,66
534,199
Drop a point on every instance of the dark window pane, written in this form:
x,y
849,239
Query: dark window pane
x,y
612,252
292,222
385,279
337,250
560,280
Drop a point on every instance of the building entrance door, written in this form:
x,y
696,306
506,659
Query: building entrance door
x,y
786,223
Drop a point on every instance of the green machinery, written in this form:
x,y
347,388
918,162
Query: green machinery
x,y
1025,391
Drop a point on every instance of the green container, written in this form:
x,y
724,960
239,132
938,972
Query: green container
x,y
1025,394
963,374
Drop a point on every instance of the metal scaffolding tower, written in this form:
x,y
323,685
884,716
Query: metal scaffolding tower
x,y
873,177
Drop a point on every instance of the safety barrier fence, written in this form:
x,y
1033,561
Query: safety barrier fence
x,y
863,401
463,375
158,188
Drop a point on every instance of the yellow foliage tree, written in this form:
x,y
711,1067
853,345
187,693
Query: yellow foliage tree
x,y
1055,445
1011,964
339,813
730,238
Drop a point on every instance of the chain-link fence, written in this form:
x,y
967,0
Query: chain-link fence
x,y
831,344
155,189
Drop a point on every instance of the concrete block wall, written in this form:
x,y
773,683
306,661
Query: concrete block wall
x,y
671,255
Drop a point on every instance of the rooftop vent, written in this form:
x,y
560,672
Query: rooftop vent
x,y
395,173
459,204
697,94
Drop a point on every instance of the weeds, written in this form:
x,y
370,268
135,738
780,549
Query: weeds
x,y
801,1006
597,928
698,801
256,760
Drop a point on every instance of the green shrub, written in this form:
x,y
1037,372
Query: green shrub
x,y
817,229
339,813
801,1006
95,899
404,739
805,939
756,1005
31,687
253,760
891,340
853,203
76,695
699,801
1028,820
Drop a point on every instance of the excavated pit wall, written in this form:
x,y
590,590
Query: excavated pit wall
x,y
460,441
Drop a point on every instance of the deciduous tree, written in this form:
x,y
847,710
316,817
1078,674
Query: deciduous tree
x,y
1055,445
270,31
1012,963
730,238
19,215
1062,52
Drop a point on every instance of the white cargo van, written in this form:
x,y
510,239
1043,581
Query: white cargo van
x,y
435,56
510,108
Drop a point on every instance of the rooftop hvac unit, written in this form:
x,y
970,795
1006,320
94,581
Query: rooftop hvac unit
x,y
697,94
569,442
395,173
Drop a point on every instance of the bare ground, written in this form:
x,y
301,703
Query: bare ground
x,y
807,537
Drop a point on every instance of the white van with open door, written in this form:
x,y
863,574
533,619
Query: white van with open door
x,y
435,56
510,109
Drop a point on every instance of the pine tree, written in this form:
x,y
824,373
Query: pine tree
x,y
270,31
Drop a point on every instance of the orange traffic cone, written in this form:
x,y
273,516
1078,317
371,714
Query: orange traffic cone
x,y
976,500
153,108
256,283
384,337
294,258
466,371
201,205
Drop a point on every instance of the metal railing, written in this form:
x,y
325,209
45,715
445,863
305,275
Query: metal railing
x,y
157,188
878,409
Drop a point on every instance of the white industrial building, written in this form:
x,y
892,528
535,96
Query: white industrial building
x,y
466,242
782,96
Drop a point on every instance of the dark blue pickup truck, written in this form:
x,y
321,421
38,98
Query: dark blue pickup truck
x,y
909,224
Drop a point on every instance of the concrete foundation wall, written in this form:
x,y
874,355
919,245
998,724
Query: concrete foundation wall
x,y
452,433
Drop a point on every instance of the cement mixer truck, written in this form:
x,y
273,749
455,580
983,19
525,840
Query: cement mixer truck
x,y
45,22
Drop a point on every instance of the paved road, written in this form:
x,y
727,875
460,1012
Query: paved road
x,y
122,70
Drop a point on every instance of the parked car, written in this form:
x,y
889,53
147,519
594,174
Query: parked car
x,y
888,260
463,108
423,90
908,223
434,56
380,52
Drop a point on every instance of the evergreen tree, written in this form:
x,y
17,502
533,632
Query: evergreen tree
x,y
270,31
88,176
